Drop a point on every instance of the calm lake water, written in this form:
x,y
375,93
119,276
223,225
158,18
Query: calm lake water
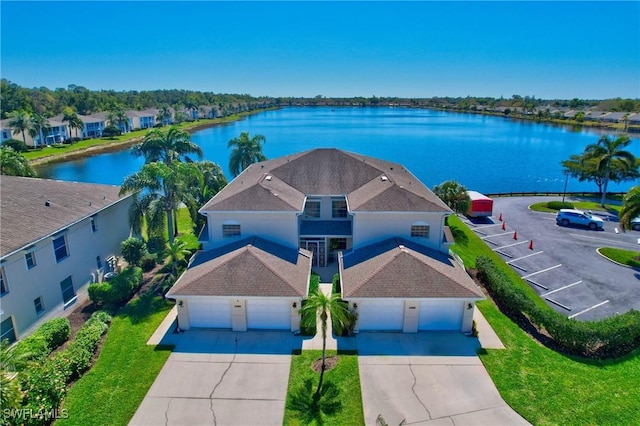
x,y
487,154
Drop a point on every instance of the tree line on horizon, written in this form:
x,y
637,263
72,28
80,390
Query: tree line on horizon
x,y
47,102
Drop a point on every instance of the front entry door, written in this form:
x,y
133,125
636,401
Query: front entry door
x,y
319,250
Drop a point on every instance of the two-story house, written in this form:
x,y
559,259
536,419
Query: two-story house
x,y
369,220
56,237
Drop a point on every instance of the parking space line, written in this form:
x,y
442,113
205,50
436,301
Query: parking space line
x,y
562,288
511,245
536,283
524,257
558,304
487,226
543,270
588,309
497,235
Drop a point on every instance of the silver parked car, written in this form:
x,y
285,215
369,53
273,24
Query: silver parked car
x,y
566,217
635,224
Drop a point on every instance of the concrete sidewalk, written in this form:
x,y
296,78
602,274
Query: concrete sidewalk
x,y
315,343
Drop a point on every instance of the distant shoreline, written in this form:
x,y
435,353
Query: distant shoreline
x,y
120,145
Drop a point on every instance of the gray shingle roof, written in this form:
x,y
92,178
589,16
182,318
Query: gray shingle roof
x,y
398,268
369,184
249,267
24,217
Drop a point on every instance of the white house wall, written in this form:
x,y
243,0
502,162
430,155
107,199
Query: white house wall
x,y
280,227
371,227
44,279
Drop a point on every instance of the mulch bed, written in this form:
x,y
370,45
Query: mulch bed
x,y
329,363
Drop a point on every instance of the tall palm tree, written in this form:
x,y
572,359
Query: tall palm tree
x,y
167,147
164,115
454,195
319,305
12,163
608,151
74,122
118,117
20,121
39,127
207,183
164,186
245,151
630,207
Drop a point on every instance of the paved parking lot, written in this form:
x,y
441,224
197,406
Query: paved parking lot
x,y
561,263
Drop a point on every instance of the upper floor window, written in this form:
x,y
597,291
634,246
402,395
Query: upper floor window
x,y
420,231
30,258
94,225
338,208
312,209
60,248
98,262
3,283
230,230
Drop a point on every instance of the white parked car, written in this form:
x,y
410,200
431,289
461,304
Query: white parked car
x,y
566,217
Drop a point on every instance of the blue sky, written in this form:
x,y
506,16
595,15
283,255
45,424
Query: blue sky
x,y
413,49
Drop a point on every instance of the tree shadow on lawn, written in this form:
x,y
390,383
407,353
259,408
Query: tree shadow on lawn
x,y
140,309
312,407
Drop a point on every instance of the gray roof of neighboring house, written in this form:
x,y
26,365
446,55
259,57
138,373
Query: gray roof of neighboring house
x,y
248,267
97,118
25,219
398,268
368,183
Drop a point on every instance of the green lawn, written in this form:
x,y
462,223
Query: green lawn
x,y
110,393
580,205
340,402
544,386
625,257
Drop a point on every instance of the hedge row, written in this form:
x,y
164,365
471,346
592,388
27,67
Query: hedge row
x,y
45,340
557,205
45,384
118,289
607,338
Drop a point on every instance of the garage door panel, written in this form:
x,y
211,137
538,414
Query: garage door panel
x,y
268,314
210,313
439,315
380,315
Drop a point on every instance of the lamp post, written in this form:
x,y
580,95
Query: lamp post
x,y
566,179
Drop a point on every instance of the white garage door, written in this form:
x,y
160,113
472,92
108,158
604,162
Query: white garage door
x,y
440,315
268,314
381,315
210,313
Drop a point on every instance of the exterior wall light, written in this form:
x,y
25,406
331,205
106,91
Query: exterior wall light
x,y
295,304
180,303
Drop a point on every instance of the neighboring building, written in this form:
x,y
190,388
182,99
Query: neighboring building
x,y
93,126
368,219
56,237
144,119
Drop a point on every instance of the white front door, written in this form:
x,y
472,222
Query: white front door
x,y
268,314
380,314
441,315
209,313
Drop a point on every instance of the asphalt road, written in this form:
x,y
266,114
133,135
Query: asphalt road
x,y
563,267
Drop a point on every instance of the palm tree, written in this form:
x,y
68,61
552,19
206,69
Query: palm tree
x,y
19,121
11,363
74,122
167,147
177,251
607,152
164,184
630,207
164,115
245,151
39,127
12,163
454,195
117,117
319,305
207,183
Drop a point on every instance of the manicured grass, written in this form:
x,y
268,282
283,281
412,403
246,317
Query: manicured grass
x,y
542,385
625,257
548,388
340,402
580,205
110,393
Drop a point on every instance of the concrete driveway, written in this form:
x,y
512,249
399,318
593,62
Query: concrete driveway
x,y
221,377
445,385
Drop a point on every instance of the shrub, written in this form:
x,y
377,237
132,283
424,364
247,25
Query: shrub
x,y
45,339
33,348
111,131
156,245
79,352
118,289
335,282
557,205
133,250
101,316
44,387
148,262
16,145
100,293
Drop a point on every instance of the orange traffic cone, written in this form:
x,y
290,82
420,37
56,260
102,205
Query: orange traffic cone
x,y
515,235
504,225
500,218
531,245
